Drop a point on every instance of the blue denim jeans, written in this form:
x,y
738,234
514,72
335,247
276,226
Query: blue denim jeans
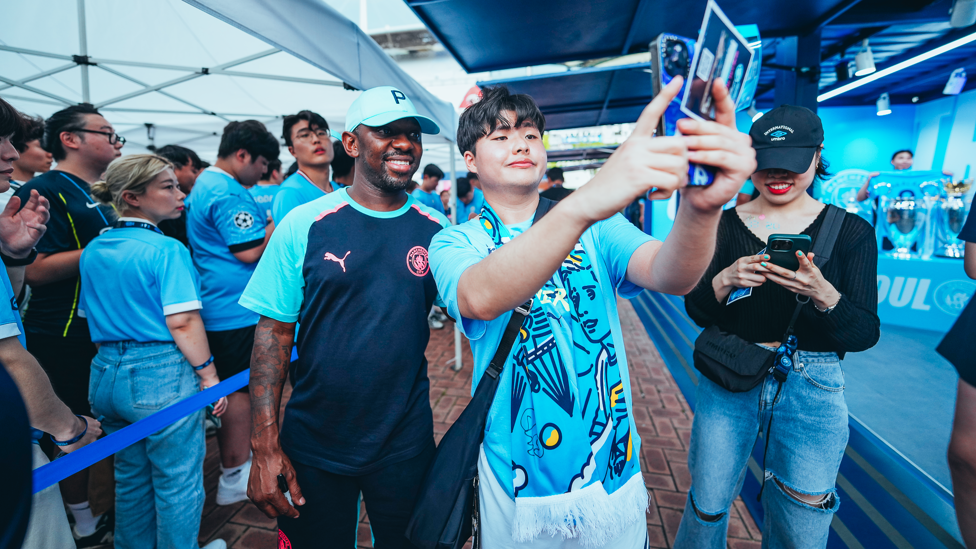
x,y
159,480
806,443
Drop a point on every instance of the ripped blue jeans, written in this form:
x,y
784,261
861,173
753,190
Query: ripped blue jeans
x,y
806,443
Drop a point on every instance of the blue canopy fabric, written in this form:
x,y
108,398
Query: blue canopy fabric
x,y
587,97
503,34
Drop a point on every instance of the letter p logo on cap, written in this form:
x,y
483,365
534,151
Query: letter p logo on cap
x,y
397,96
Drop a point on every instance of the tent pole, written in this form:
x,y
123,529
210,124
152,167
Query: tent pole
x,y
32,89
83,51
40,75
454,220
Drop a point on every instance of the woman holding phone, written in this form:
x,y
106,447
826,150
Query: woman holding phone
x,y
805,446
141,296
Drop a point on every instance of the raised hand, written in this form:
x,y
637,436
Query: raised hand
x,y
721,145
643,162
21,230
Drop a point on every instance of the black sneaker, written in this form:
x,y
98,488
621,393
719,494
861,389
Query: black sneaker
x,y
104,533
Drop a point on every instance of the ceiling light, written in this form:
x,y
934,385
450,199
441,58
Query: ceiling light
x,y
963,14
884,105
897,67
864,60
753,113
915,99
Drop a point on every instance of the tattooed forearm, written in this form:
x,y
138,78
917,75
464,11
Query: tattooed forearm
x,y
269,368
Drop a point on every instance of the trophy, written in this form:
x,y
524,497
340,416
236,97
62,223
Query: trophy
x,y
903,219
952,211
904,206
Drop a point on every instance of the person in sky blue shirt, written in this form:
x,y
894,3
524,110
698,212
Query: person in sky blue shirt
x,y
307,137
426,192
140,294
343,166
228,232
268,187
352,268
559,465
25,380
470,200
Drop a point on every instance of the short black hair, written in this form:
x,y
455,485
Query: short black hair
x,y
472,175
272,166
342,163
313,119
485,116
909,151
431,170
292,169
555,174
32,128
463,186
180,156
251,136
66,120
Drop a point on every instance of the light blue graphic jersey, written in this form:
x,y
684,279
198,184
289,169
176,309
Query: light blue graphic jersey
x,y
222,218
609,246
132,278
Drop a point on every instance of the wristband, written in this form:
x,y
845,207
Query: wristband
x,y
204,365
14,262
73,440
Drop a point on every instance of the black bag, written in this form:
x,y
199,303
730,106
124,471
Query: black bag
x,y
442,515
738,365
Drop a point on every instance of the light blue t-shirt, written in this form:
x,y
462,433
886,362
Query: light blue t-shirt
x,y
464,210
294,191
609,243
222,218
131,280
264,195
10,325
431,200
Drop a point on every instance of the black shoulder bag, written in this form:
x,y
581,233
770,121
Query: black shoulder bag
x,y
445,512
738,365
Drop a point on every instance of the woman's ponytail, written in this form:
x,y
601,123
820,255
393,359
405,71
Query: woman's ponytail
x,y
101,192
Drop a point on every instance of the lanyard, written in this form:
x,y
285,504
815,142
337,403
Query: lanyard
x,y
309,179
137,225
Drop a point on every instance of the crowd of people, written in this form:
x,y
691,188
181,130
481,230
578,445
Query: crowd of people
x,y
152,277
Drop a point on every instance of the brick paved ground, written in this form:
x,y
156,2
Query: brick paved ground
x,y
663,421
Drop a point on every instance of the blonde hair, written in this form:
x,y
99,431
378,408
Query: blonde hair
x,y
129,173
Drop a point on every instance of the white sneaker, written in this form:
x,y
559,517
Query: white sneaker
x,y
233,488
216,544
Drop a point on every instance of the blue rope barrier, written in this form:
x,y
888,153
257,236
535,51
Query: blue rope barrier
x,y
80,459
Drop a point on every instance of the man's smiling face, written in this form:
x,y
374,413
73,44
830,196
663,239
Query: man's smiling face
x,y
390,154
